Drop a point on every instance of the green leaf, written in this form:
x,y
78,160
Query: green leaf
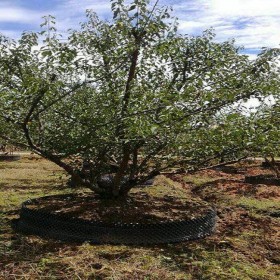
x,y
132,7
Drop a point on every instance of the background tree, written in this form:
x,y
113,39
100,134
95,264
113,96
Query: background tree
x,y
265,134
121,101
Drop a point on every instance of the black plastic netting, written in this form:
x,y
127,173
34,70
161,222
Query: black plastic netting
x,y
267,179
8,157
64,228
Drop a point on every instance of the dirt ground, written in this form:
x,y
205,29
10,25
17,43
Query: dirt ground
x,y
245,244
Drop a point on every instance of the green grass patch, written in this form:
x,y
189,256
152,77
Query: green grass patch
x,y
199,180
258,204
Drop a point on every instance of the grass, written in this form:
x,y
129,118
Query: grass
x,y
198,180
258,204
244,246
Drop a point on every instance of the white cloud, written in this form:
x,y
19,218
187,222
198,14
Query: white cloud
x,y
70,13
19,15
76,8
245,8
254,23
252,56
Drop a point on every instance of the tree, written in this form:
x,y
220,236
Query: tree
x,y
121,101
265,135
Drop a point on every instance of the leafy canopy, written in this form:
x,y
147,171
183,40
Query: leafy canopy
x,y
130,97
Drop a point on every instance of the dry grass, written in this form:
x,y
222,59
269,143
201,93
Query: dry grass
x,y
30,170
245,245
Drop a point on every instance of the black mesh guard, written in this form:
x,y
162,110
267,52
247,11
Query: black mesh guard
x,y
59,227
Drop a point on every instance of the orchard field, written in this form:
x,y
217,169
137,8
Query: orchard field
x,y
121,102
245,244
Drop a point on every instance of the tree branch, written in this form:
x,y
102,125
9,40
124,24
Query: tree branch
x,y
223,164
123,167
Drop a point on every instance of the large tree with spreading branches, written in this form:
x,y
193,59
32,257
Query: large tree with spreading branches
x,y
120,101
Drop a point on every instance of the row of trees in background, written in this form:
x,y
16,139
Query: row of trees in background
x,y
121,101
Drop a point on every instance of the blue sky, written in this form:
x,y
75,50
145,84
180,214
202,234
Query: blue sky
x,y
254,23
